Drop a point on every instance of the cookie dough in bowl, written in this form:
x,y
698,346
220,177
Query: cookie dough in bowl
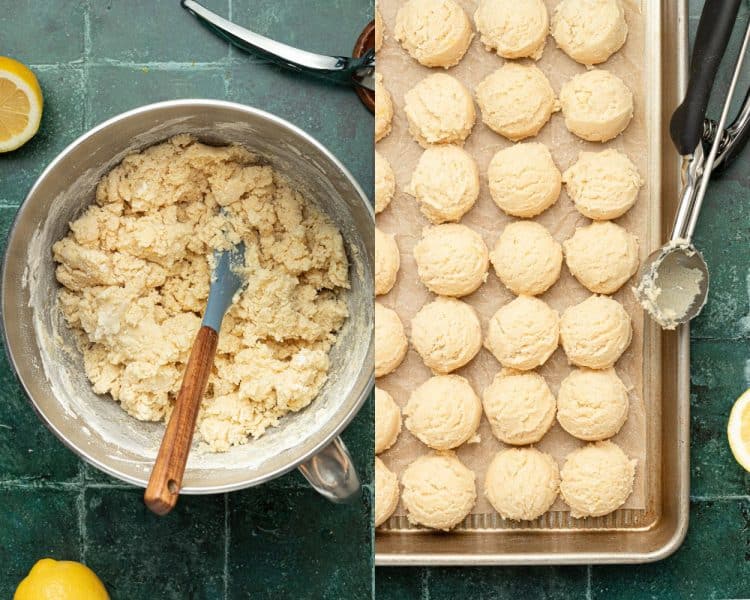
x,y
386,492
596,479
523,334
597,105
452,260
513,28
385,182
524,180
440,110
522,483
526,258
603,185
390,340
602,256
592,405
387,262
446,334
436,33
444,412
519,406
596,332
383,109
589,31
516,100
439,491
445,183
387,421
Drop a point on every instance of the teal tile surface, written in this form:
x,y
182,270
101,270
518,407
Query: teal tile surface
x,y
398,583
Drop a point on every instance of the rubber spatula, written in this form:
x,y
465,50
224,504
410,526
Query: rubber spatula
x,y
166,477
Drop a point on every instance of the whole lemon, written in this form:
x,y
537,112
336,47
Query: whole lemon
x,y
60,580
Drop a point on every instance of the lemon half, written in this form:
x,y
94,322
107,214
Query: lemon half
x,y
20,104
738,430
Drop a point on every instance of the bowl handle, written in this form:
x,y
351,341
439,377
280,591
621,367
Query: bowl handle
x,y
332,474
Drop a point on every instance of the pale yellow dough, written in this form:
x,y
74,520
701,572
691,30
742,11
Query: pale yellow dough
x,y
527,259
592,405
513,28
379,30
385,182
603,185
452,260
386,492
387,262
445,183
444,412
136,275
440,110
390,340
589,31
519,406
596,479
522,483
523,334
383,109
387,421
602,256
446,333
439,491
524,180
436,33
516,100
596,332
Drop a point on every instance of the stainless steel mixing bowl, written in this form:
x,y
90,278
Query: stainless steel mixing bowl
x,y
50,368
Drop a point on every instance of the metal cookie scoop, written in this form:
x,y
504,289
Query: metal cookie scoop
x,y
674,280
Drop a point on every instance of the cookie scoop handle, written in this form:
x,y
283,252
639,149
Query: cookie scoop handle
x,y
166,477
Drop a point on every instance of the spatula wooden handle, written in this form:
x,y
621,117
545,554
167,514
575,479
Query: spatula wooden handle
x,y
166,477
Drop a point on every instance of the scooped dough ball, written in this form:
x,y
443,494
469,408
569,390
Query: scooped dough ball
x,y
452,260
436,33
443,412
526,258
390,340
597,105
513,28
445,183
440,111
387,421
603,185
522,483
383,109
439,491
385,182
516,100
523,334
589,31
446,334
519,406
596,332
592,405
386,492
602,256
524,180
387,261
596,479
379,30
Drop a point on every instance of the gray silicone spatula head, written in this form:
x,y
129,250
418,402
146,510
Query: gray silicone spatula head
x,y
226,280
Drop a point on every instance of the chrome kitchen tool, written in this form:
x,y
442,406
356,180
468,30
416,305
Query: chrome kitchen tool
x,y
674,280
358,72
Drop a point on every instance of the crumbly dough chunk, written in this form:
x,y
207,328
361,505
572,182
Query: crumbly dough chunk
x,y
379,30
387,262
383,109
387,421
589,31
436,33
385,182
390,340
513,28
135,272
386,492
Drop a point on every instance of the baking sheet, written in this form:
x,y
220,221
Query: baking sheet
x,y
403,219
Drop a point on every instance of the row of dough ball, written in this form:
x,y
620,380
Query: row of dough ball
x,y
444,412
437,33
516,101
523,181
439,491
453,260
521,335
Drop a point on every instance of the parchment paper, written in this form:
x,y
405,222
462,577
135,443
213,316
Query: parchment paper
x,y
403,219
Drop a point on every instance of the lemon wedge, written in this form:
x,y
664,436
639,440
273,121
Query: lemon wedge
x,y
738,430
20,104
